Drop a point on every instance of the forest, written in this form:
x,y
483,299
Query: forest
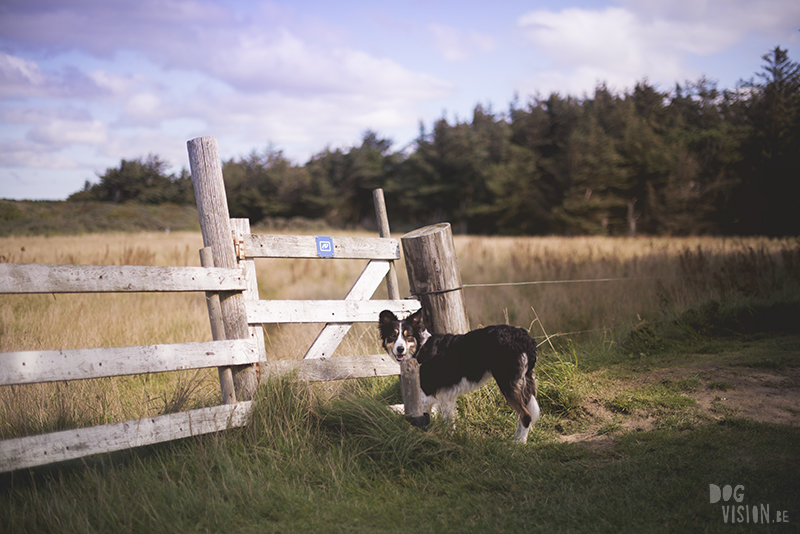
x,y
695,159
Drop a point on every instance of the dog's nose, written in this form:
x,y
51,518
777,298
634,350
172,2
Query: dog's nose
x,y
401,349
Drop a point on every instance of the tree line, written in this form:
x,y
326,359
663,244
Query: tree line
x,y
691,160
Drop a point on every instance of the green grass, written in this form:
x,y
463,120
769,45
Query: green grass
x,y
653,396
348,464
335,458
58,217
43,217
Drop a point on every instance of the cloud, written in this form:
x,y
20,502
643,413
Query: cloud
x,y
18,75
66,132
614,44
172,70
280,61
458,46
24,154
250,53
301,126
23,78
648,38
103,27
36,137
738,17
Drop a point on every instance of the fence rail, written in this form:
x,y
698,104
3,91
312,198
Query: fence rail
x,y
21,453
323,311
38,278
338,368
353,248
31,367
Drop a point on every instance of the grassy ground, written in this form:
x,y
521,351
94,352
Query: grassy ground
x,y
337,460
682,382
60,218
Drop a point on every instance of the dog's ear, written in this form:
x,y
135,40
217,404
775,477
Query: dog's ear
x,y
386,317
416,319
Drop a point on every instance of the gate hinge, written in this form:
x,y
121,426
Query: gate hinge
x,y
238,245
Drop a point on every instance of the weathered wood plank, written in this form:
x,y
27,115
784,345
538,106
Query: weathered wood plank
x,y
338,368
294,246
40,278
53,365
332,334
31,451
324,311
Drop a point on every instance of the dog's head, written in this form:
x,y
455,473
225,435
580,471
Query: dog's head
x,y
400,338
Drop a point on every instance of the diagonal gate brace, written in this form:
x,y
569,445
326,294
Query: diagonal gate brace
x,y
332,334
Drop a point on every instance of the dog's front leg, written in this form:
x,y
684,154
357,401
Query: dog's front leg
x,y
429,403
521,435
449,411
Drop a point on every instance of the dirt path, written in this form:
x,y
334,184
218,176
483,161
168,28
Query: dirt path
x,y
765,395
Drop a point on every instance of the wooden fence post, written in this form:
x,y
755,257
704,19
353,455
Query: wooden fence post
x,y
435,278
383,230
409,369
212,209
218,330
240,228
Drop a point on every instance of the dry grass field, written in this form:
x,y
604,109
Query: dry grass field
x,y
642,279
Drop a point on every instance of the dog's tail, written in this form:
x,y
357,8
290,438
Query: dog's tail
x,y
524,390
520,389
530,412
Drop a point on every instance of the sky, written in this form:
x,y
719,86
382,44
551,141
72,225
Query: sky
x,y
87,83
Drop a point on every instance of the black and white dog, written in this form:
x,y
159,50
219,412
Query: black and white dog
x,y
451,365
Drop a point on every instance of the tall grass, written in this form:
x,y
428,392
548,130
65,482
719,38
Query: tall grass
x,y
660,276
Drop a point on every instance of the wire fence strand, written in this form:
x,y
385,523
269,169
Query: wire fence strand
x,y
585,280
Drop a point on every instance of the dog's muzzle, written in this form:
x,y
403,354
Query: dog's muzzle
x,y
399,351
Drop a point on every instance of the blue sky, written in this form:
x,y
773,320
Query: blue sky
x,y
86,83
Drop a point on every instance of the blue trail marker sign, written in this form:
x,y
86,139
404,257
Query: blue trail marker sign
x,y
324,247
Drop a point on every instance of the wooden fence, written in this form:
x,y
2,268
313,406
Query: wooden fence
x,y
236,314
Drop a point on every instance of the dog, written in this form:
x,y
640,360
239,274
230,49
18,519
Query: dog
x,y
451,365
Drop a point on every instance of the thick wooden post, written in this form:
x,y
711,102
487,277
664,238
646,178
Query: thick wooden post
x,y
212,208
409,369
435,278
412,393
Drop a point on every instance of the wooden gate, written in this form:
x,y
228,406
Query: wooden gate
x,y
236,314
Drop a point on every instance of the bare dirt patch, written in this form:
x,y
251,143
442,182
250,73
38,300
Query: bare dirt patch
x,y
764,395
